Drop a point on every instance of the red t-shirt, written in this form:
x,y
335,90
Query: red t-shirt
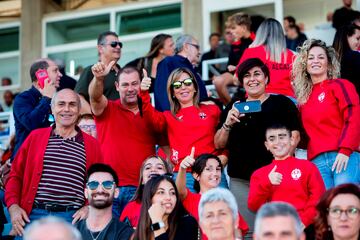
x,y
280,73
191,204
125,140
132,213
301,186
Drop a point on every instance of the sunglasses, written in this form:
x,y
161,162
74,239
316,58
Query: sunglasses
x,y
194,45
113,44
167,175
187,82
107,185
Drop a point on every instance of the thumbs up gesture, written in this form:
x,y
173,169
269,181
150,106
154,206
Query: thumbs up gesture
x,y
145,82
275,177
189,160
100,70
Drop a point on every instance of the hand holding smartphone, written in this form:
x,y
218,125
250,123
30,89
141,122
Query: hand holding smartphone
x,y
42,75
248,107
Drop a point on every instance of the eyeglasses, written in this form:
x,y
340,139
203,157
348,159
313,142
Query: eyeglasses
x,y
187,82
352,212
113,44
107,185
194,45
87,127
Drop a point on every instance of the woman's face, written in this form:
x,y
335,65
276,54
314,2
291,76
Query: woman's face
x,y
152,166
165,195
255,82
185,90
344,216
169,48
211,175
354,40
317,64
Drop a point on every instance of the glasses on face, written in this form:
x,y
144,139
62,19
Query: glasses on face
x,y
113,44
187,82
194,45
352,212
88,127
107,185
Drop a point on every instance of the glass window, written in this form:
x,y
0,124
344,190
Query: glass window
x,y
9,39
149,19
76,30
9,67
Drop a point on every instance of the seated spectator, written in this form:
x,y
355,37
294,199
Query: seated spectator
x,y
343,16
206,170
286,179
160,215
8,100
294,37
100,192
87,124
214,41
65,81
218,214
152,166
6,81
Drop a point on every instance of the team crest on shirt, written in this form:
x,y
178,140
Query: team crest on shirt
x,y
175,156
321,97
202,115
296,174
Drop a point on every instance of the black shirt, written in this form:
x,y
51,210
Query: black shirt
x,y
187,229
350,68
237,49
247,151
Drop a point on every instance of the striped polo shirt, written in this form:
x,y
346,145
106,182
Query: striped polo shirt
x,y
63,177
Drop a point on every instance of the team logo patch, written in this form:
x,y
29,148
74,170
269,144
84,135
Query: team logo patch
x,y
175,156
296,174
202,115
321,97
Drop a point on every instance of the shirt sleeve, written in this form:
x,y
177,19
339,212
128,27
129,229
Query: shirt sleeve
x,y
151,115
160,93
260,190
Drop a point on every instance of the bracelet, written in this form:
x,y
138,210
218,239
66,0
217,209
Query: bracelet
x,y
226,127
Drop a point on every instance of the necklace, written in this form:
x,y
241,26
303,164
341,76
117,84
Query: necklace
x,y
98,235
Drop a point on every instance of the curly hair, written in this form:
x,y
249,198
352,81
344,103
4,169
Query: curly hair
x,y
301,78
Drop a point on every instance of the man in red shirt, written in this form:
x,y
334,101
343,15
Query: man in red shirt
x,y
125,138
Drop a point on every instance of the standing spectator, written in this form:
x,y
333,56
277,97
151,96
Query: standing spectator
x,y
224,47
8,100
187,54
100,191
330,113
346,44
47,176
124,136
343,16
6,81
32,107
214,41
109,49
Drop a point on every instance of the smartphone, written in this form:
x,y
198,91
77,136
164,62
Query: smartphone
x,y
41,75
249,106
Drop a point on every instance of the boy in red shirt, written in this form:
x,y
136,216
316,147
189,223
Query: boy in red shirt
x,y
287,178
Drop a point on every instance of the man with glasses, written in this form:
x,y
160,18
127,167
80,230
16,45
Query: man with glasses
x,y
47,175
109,49
100,191
187,54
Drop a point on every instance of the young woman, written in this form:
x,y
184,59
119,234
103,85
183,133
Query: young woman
x,y
339,214
330,113
189,123
206,170
152,166
161,217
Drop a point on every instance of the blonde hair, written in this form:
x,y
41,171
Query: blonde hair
x,y
301,79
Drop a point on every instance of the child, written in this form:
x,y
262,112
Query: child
x,y
287,178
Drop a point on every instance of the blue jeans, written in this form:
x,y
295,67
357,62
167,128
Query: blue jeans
x,y
324,163
125,195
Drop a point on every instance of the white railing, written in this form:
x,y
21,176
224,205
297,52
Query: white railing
x,y
208,65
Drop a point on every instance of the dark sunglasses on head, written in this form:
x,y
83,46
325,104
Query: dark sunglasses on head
x,y
93,185
113,44
187,82
168,175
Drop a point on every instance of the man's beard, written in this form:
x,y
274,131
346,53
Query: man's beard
x,y
101,204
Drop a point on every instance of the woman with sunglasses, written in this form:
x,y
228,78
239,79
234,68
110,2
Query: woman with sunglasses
x,y
152,166
339,214
161,216
206,170
188,124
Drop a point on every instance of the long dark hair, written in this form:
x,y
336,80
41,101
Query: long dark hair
x,y
200,164
157,43
143,230
321,222
341,43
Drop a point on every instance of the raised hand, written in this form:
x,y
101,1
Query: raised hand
x,y
275,177
145,82
49,88
156,212
100,70
188,160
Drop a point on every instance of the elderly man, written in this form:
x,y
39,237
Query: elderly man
x,y
32,107
100,191
125,137
47,176
109,49
278,220
187,55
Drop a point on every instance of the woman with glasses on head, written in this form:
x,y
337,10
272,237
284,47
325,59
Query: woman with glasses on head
x,y
339,214
330,113
152,166
161,217
188,124
207,170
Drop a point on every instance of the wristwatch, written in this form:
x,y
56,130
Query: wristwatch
x,y
157,226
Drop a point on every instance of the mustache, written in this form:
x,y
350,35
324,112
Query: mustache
x,y
100,194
